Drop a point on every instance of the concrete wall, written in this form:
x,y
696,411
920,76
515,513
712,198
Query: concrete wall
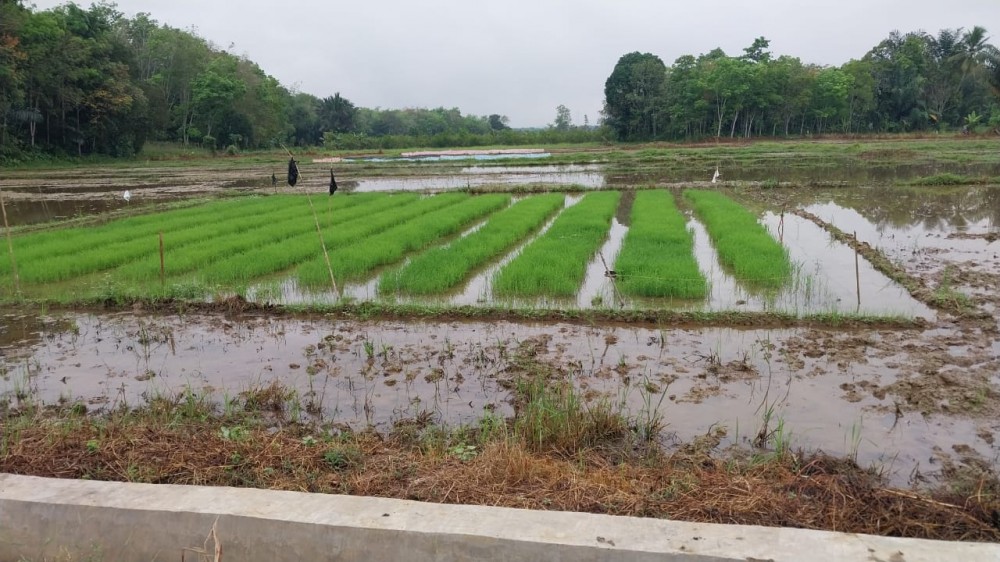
x,y
51,519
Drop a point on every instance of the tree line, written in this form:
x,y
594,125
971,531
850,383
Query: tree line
x,y
79,81
908,82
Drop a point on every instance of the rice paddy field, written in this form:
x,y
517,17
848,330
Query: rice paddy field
x,y
526,250
835,296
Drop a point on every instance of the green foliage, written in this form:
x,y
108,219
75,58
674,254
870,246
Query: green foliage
x,y
443,268
280,255
632,94
414,231
555,263
947,178
657,257
743,245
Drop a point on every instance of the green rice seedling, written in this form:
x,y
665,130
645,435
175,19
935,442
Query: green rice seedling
x,y
71,241
352,262
444,268
555,263
657,256
276,257
743,245
280,226
61,264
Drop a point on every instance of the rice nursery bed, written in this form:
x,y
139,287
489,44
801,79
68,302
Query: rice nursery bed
x,y
754,256
554,265
657,257
443,268
434,247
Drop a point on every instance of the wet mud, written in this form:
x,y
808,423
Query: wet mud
x,y
894,398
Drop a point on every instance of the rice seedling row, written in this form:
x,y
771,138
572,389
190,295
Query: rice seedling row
x,y
272,258
354,261
743,244
555,263
657,256
277,227
179,233
446,267
48,245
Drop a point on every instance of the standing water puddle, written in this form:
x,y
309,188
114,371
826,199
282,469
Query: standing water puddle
x,y
905,243
585,176
824,280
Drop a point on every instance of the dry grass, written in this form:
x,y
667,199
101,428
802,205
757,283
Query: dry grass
x,y
607,470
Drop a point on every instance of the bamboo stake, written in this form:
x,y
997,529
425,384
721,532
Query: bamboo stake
x,y
10,245
322,243
163,276
857,269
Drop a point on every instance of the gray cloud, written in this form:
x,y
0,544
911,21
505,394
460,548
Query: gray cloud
x,y
523,58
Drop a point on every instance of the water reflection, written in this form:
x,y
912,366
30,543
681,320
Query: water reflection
x,y
22,212
973,209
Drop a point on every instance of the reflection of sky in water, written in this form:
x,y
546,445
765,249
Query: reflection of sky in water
x,y
824,280
451,157
827,274
557,175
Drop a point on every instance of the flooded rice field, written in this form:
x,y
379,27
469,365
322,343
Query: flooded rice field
x,y
902,399
863,393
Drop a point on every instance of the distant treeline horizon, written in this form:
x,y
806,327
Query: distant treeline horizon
x,y
89,81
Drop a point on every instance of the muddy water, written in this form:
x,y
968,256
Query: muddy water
x,y
831,278
831,390
585,176
24,212
918,243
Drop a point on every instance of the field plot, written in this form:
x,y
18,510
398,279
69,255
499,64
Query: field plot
x,y
743,244
381,246
657,258
819,378
554,265
442,269
353,261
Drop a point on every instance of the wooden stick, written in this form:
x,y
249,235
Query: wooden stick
x,y
322,243
10,245
857,269
163,276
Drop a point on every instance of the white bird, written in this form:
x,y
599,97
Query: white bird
x,y
715,176
127,196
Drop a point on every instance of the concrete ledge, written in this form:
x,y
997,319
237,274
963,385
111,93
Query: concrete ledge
x,y
45,519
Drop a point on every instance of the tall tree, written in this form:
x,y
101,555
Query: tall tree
x,y
632,94
563,119
337,114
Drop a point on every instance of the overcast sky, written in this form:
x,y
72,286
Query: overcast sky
x,y
523,58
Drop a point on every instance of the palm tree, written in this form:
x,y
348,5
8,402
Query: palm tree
x,y
974,51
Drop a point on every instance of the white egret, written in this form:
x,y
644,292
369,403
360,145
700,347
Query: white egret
x,y
127,196
716,175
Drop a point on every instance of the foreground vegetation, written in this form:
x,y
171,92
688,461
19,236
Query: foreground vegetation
x,y
557,451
